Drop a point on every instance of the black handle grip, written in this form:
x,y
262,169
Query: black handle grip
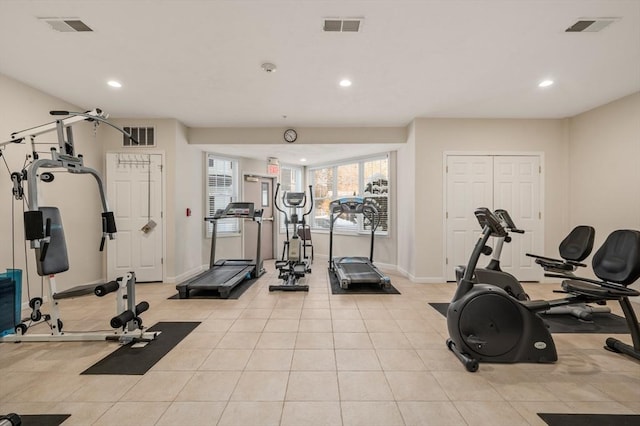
x,y
122,319
102,241
33,224
58,112
43,251
45,244
108,223
107,288
142,307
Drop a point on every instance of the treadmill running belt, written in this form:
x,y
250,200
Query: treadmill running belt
x,y
360,273
218,276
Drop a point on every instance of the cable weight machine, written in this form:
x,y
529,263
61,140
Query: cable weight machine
x,y
43,229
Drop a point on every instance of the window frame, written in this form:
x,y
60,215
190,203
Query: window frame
x,y
299,172
360,161
234,196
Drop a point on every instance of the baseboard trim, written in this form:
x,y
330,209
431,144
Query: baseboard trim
x,y
185,275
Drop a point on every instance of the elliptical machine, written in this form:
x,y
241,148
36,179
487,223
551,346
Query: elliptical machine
x,y
294,263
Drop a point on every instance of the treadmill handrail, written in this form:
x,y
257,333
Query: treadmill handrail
x,y
362,205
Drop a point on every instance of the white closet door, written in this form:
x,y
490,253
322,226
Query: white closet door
x,y
497,182
517,190
469,186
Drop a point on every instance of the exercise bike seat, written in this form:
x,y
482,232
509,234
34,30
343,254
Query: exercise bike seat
x,y
549,264
575,247
616,263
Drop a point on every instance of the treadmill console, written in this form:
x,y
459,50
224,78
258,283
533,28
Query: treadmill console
x,y
238,210
347,205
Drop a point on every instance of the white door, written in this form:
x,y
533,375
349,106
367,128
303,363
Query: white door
x,y
469,186
259,191
517,190
497,182
134,191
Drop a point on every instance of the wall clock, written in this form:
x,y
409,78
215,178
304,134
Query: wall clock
x,y
290,135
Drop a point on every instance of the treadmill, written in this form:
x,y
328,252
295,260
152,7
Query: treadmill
x,y
225,274
355,270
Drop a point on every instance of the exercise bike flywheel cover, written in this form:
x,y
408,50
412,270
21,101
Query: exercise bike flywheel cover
x,y
490,324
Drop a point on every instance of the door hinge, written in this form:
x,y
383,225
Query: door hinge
x,y
161,215
446,215
446,261
539,169
539,215
162,260
446,169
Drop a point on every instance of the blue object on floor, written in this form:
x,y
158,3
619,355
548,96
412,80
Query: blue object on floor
x,y
10,300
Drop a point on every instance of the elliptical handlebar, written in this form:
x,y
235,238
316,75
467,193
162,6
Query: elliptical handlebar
x,y
275,200
308,212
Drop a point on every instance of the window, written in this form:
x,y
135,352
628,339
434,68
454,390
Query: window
x,y
222,188
290,178
290,181
367,178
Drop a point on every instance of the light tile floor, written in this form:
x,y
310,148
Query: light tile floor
x,y
295,358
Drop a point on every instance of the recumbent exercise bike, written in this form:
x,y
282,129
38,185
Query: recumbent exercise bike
x,y
486,324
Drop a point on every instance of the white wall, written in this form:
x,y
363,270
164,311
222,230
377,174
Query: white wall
x,y
604,188
434,136
189,194
406,205
75,195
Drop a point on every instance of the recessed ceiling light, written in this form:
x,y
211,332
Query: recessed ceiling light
x,y
303,160
345,83
545,83
114,83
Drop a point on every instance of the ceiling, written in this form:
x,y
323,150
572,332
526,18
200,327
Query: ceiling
x,y
200,61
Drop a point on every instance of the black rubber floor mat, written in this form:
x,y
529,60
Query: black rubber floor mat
x,y
43,419
556,419
128,360
359,288
602,323
235,293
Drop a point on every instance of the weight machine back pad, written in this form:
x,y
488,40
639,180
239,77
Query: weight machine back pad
x,y
56,259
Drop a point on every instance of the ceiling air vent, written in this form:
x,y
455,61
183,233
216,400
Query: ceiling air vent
x,y
590,25
67,25
338,25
